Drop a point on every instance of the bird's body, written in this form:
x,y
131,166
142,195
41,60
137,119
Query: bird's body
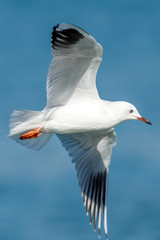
x,y
82,121
79,117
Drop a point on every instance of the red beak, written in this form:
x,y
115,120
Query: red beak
x,y
144,120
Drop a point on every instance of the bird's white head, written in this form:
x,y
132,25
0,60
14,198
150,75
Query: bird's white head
x,y
128,111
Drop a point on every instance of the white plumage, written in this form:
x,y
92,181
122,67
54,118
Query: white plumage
x,y
82,121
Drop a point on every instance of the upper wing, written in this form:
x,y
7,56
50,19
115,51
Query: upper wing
x,y
91,153
72,72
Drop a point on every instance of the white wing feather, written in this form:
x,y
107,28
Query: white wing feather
x,y
91,153
72,72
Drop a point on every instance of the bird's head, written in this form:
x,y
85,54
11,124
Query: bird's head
x,y
129,112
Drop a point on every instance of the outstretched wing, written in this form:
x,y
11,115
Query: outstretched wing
x,y
72,72
91,153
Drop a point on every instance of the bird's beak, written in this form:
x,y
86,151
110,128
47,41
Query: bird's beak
x,y
144,120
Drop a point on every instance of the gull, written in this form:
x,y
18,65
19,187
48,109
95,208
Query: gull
x,y
83,122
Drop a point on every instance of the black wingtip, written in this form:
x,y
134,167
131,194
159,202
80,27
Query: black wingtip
x,y
63,38
99,233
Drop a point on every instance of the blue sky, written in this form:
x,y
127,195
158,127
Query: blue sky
x,y
34,184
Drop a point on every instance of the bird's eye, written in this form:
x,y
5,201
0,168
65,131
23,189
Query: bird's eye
x,y
131,111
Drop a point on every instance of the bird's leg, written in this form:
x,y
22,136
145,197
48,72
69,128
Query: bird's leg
x,y
31,134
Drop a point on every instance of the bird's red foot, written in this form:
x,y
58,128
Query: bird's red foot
x,y
31,134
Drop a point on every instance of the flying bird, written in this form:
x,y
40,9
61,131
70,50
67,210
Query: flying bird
x,y
83,122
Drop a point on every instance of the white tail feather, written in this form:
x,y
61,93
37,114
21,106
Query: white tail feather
x,y
22,121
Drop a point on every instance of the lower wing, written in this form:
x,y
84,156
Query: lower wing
x,y
91,153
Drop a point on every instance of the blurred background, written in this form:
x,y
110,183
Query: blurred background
x,y
39,193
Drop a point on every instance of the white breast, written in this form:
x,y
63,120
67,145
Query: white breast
x,y
78,117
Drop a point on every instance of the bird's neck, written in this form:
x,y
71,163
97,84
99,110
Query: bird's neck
x,y
114,112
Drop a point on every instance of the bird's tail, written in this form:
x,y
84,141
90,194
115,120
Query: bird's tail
x,y
25,128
